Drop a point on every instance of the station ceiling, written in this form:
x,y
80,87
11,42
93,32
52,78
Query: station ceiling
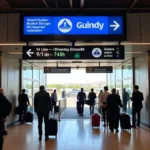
x,y
74,5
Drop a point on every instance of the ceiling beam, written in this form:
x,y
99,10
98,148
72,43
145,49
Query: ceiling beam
x,y
57,6
63,9
82,3
132,5
46,4
7,2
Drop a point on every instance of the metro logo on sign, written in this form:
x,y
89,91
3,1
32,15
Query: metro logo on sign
x,y
73,25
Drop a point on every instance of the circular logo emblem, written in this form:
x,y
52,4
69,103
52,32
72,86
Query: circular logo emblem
x,y
64,25
96,52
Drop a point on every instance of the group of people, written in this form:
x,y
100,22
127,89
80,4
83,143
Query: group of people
x,y
24,103
111,104
43,103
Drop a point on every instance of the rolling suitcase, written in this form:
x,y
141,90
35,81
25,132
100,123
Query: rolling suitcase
x,y
29,117
95,120
125,121
78,107
52,127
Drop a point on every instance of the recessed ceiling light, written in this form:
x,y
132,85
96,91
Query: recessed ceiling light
x,y
13,44
15,53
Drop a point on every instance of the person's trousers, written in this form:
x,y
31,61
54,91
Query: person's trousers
x,y
40,122
134,112
82,107
54,106
1,135
125,107
92,108
113,122
22,115
105,115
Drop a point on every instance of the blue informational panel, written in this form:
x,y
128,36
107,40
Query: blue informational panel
x,y
73,25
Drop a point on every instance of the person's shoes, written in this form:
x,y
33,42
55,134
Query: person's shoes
x,y
40,138
5,133
46,138
138,125
133,126
82,115
117,130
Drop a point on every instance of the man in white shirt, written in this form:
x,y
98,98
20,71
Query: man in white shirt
x,y
102,101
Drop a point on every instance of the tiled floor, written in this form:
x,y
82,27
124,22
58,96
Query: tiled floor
x,y
76,135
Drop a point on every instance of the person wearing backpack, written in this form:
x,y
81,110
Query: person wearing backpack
x,y
5,109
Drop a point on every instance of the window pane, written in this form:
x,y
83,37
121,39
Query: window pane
x,y
127,70
119,88
127,85
27,71
36,73
118,73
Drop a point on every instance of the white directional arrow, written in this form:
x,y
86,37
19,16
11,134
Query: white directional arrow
x,y
116,25
29,52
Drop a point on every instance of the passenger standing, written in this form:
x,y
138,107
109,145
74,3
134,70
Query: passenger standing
x,y
92,97
5,109
102,102
54,100
125,99
23,105
42,104
137,98
113,103
82,98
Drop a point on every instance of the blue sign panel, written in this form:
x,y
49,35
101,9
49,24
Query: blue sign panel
x,y
73,25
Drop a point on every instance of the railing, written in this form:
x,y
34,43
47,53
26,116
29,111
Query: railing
x,y
62,107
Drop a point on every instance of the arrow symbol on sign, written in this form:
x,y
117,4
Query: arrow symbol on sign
x,y
116,25
29,52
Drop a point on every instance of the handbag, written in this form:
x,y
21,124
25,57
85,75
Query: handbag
x,y
88,102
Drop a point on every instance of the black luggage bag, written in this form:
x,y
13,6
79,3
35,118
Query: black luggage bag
x,y
29,117
52,127
78,107
56,109
125,121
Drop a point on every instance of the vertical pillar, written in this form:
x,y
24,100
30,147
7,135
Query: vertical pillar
x,y
0,68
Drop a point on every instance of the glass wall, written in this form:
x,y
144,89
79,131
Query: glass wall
x,y
32,78
122,80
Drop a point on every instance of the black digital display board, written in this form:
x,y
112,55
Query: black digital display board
x,y
101,69
57,70
72,53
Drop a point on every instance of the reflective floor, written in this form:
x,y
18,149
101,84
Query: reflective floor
x,y
76,135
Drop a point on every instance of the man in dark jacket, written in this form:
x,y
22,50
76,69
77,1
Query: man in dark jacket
x,y
137,98
42,104
113,103
92,97
81,97
5,109
23,104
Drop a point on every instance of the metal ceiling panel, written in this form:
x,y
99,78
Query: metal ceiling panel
x,y
27,3
143,3
64,3
108,3
4,6
52,3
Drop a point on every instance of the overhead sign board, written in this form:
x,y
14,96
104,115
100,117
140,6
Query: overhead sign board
x,y
101,69
57,70
69,53
46,26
